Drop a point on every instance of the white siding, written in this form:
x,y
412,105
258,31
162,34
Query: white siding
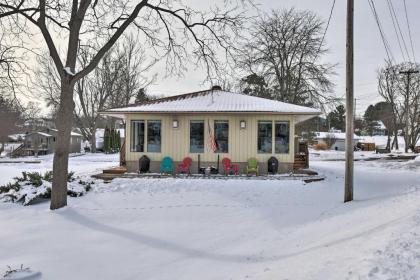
x,y
242,142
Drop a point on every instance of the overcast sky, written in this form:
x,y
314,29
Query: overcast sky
x,y
369,49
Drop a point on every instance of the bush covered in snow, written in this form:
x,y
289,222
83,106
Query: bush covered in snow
x,y
33,186
21,273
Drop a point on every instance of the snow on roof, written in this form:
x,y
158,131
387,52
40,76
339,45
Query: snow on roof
x,y
72,133
216,100
336,135
43,134
17,137
75,134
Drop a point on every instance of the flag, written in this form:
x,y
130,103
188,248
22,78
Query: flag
x,y
212,144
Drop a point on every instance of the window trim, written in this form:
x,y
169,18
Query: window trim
x,y
228,137
274,134
132,149
204,137
146,135
267,121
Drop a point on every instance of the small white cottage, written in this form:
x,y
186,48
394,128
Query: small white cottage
x,y
210,125
336,139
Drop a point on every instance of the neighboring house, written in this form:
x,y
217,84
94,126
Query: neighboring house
x,y
336,138
206,124
43,142
379,129
38,143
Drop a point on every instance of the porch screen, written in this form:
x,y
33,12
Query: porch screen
x,y
281,137
221,133
154,136
137,136
265,137
197,137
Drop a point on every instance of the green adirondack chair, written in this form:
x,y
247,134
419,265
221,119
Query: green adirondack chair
x,y
167,166
252,166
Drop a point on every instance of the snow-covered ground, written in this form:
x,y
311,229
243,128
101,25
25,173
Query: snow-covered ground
x,y
222,229
81,164
382,140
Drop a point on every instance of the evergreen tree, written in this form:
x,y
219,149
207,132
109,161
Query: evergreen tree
x,y
118,141
337,118
256,86
370,119
141,96
111,140
106,140
381,111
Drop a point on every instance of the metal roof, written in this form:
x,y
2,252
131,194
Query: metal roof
x,y
215,101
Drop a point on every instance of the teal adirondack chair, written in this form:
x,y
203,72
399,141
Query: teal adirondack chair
x,y
252,166
167,166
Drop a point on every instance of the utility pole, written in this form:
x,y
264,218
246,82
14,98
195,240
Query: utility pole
x,y
407,97
348,182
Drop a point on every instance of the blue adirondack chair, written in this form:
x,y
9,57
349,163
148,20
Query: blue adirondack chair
x,y
167,166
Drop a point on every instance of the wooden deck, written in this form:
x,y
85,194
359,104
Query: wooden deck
x,y
116,170
303,175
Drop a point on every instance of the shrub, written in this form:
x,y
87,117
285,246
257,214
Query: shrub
x,y
330,140
321,147
35,178
32,186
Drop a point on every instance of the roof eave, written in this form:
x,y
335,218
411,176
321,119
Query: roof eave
x,y
122,114
119,115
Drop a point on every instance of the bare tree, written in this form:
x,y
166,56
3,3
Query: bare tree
x,y
171,28
11,66
392,86
132,78
285,50
114,83
93,92
10,116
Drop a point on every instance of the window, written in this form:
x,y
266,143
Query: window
x,y
154,136
281,137
197,137
265,137
137,136
221,134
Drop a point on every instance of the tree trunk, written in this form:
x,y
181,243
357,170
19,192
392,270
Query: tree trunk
x,y
61,154
396,139
388,142
93,140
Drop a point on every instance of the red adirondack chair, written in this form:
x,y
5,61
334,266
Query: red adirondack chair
x,y
229,167
185,165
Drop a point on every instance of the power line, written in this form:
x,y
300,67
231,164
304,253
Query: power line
x,y
397,29
384,40
326,29
409,30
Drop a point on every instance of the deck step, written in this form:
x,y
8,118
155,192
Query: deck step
x,y
116,170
